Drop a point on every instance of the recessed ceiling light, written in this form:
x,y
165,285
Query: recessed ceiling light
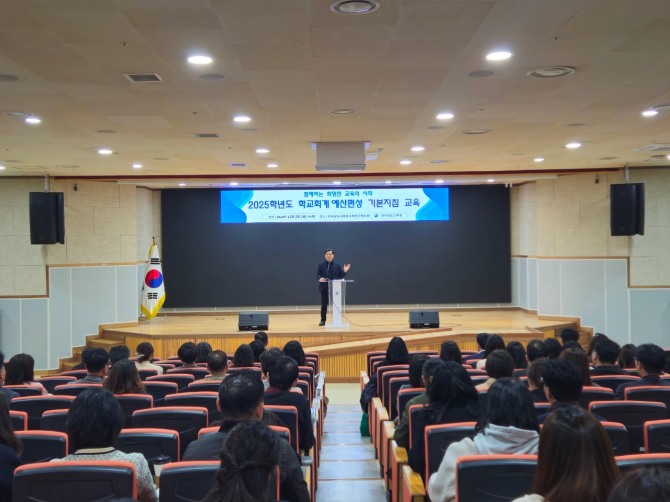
x,y
2,168
284,183
262,150
439,181
272,165
33,120
418,148
241,119
137,165
343,111
200,59
538,159
105,151
490,180
388,182
573,145
650,113
405,162
444,116
234,183
667,157
182,184
354,6
498,56
552,72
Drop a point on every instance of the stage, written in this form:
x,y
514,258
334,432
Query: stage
x,y
342,351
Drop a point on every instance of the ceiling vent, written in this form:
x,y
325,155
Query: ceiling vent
x,y
655,147
140,78
206,135
340,156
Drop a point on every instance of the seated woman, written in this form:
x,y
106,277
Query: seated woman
x,y
10,449
452,398
575,459
243,357
396,353
93,424
249,457
294,349
450,351
145,354
123,378
508,425
21,371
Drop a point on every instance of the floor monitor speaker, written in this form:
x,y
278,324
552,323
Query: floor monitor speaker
x,y
424,319
253,321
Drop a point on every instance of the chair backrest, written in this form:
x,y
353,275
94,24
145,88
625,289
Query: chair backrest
x,y
370,357
42,446
391,394
590,394
187,481
618,436
403,368
632,414
204,398
208,430
181,379
289,417
282,432
416,422
655,393
306,389
482,478
159,389
628,463
74,389
437,439
75,373
24,390
60,481
541,408
405,395
187,420
151,443
197,372
385,389
146,373
54,420
37,405
19,420
657,436
613,382
203,385
50,382
130,403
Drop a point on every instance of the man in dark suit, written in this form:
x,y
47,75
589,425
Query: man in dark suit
x,y
241,399
605,354
649,362
328,270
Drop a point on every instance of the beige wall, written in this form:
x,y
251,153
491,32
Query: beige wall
x,y
104,223
569,217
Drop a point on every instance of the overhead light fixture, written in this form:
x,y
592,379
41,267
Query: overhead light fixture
x,y
137,165
444,116
200,59
650,113
337,182
552,72
262,150
234,183
272,165
354,6
439,181
538,159
105,151
418,148
667,157
33,120
498,56
405,162
241,119
387,182
2,168
490,180
573,146
182,184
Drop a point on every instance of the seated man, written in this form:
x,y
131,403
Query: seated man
x,y
569,335
499,364
535,349
217,365
117,353
188,353
562,384
268,359
283,376
604,357
241,399
650,363
481,341
95,361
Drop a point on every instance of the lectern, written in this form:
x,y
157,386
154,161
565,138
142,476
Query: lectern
x,y
337,292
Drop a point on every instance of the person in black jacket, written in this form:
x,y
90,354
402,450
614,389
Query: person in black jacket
x,y
396,353
329,270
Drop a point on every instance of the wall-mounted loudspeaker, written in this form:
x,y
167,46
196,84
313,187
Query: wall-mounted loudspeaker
x,y
627,209
253,321
424,319
47,218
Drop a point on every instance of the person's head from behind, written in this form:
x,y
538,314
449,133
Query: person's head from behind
x,y
294,349
241,396
649,359
416,362
509,404
449,351
605,352
499,364
481,340
283,373
243,357
187,352
579,359
626,358
552,348
450,383
203,349
249,457
569,335
428,371
257,348
123,378
7,435
144,352
96,361
269,358
494,342
644,484
118,353
571,344
3,370
263,337
535,349
20,369
396,352
597,337
535,373
217,363
518,353
574,439
562,380
94,420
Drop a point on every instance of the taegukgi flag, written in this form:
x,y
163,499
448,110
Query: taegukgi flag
x,y
153,287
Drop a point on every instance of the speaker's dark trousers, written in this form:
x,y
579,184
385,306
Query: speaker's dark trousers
x,y
324,303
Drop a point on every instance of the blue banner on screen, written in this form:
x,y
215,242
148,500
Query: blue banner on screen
x,y
333,206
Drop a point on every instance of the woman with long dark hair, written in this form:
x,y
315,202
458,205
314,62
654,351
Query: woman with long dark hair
x,y
123,378
494,342
396,353
21,371
450,351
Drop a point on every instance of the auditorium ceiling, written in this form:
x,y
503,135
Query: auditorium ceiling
x,y
294,67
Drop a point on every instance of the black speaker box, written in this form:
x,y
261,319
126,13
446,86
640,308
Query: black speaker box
x,y
253,321
47,218
627,209
424,319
